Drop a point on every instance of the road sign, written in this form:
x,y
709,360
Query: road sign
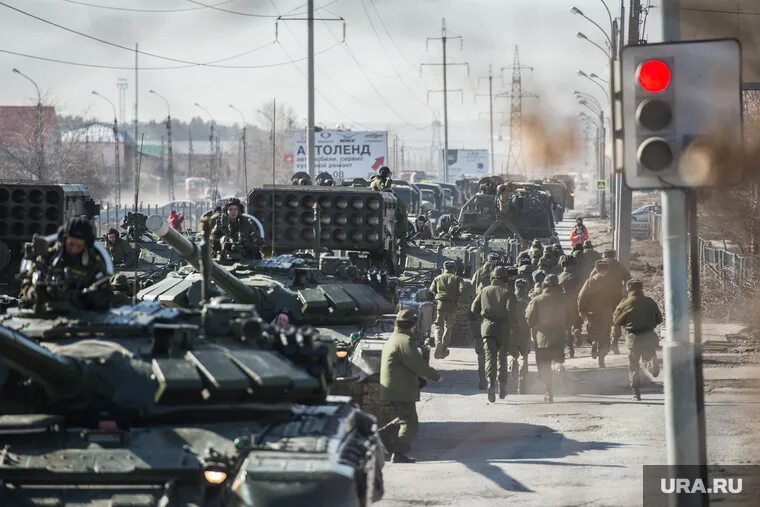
x,y
344,154
472,163
600,185
681,114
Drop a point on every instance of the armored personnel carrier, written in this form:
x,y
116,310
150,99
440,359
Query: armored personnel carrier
x,y
148,405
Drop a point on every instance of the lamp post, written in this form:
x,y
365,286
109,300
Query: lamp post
x,y
245,155
169,141
212,160
594,76
583,74
117,163
40,149
583,36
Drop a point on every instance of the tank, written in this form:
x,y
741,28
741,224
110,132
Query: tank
x,y
343,297
148,405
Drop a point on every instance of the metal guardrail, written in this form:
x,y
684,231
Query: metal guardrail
x,y
733,270
112,217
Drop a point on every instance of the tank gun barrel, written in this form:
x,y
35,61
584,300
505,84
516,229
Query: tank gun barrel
x,y
190,252
60,376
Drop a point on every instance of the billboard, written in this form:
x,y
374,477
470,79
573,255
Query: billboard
x,y
345,154
468,163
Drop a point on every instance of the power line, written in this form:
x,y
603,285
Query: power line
x,y
133,51
115,67
388,33
132,9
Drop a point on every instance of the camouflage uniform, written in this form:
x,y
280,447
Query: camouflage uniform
x,y
571,285
242,232
121,252
496,305
447,288
639,315
521,337
590,256
549,315
597,301
401,366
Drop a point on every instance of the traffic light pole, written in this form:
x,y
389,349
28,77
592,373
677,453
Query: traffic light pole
x,y
683,436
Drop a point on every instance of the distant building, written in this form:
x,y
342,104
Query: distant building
x,y
19,125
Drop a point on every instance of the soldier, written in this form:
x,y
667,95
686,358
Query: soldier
x,y
468,296
597,302
536,252
234,233
119,249
401,367
72,273
525,270
621,276
382,180
447,289
520,338
325,179
482,276
590,256
538,283
495,304
639,315
548,315
570,283
577,253
421,229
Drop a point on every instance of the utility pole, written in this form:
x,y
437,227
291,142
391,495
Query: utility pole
x,y
444,63
490,109
170,163
117,162
310,130
137,150
515,161
243,142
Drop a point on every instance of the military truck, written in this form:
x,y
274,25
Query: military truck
x,y
148,405
31,207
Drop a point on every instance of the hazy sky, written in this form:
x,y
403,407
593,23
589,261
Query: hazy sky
x,y
544,29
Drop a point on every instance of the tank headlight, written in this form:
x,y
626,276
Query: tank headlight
x,y
215,474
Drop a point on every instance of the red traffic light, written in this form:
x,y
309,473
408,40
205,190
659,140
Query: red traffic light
x,y
653,76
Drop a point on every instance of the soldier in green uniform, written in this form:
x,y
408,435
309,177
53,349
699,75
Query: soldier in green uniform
x,y
639,315
71,274
467,297
548,314
536,252
382,180
519,340
571,283
496,305
401,367
590,256
621,275
421,229
447,289
482,276
119,249
597,302
234,235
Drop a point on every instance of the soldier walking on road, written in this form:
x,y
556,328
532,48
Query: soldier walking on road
x,y
520,338
496,304
596,302
401,367
590,256
621,276
482,276
639,315
571,285
468,296
548,314
447,289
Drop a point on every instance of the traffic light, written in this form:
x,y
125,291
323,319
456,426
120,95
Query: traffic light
x,y
681,109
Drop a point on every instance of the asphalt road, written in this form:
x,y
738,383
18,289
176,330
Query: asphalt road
x,y
587,448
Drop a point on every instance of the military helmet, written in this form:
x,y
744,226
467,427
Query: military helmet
x,y
588,244
113,230
551,281
234,201
566,260
511,271
609,254
384,172
539,275
525,261
422,218
325,179
119,281
536,243
521,283
78,228
634,284
493,256
406,315
602,266
359,182
450,266
557,247
500,273
578,247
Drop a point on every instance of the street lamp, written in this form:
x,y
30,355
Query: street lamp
x,y
169,141
594,76
583,36
245,157
212,163
582,95
38,134
577,11
117,163
583,74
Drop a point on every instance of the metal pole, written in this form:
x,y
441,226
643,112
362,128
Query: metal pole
x,y
490,105
274,161
118,162
602,171
682,432
445,109
136,110
310,137
245,162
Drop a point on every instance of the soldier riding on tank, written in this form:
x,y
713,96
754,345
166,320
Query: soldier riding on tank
x,y
234,235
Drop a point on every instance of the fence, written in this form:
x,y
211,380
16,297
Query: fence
x,y
112,217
